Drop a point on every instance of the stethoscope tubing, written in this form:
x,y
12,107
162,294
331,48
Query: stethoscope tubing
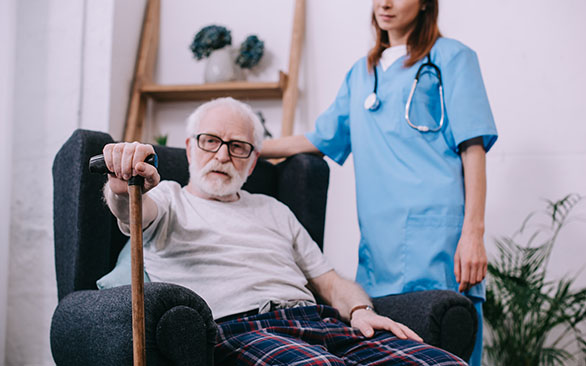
x,y
376,101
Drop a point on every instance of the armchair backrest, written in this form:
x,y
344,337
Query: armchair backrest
x,y
87,239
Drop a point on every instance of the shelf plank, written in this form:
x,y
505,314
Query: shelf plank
x,y
237,89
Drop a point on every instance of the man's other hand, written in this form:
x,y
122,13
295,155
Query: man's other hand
x,y
367,321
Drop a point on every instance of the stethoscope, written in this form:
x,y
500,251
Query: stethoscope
x,y
372,101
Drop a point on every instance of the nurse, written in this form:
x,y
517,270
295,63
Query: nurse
x,y
419,156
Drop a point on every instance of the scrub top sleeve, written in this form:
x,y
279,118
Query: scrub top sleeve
x,y
332,128
466,102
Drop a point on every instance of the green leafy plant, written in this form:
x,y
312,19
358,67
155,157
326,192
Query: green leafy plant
x,y
250,52
215,37
161,140
533,320
212,37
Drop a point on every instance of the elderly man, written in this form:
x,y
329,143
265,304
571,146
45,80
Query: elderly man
x,y
249,258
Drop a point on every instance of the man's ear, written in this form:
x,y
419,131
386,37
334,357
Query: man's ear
x,y
255,156
188,148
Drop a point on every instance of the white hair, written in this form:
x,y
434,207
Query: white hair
x,y
236,106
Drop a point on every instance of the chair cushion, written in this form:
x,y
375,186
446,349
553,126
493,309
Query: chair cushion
x,y
121,274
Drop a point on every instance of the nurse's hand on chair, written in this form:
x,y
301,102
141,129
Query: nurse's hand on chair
x,y
367,321
470,261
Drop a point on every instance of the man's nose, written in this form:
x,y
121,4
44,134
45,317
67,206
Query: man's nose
x,y
223,155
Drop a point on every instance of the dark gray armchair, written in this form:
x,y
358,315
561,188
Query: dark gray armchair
x,y
93,327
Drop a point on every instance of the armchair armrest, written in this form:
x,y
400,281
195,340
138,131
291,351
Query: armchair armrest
x,y
443,318
94,327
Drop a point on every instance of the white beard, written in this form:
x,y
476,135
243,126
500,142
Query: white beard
x,y
217,186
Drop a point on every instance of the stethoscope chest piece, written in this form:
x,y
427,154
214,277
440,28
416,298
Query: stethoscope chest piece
x,y
372,103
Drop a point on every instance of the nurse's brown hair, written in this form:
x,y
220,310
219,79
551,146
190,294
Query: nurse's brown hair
x,y
420,41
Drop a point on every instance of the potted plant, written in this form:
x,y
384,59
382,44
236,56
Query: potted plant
x,y
250,53
524,306
161,140
224,63
211,42
212,37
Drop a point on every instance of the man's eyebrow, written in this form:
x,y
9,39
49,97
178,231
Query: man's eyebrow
x,y
236,138
241,140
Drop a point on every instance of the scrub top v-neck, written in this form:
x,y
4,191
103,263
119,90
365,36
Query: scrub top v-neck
x,y
409,185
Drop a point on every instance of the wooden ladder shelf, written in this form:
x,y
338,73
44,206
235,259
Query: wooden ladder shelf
x,y
144,87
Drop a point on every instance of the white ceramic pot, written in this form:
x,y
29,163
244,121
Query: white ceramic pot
x,y
221,66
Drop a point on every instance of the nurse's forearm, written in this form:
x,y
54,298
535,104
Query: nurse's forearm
x,y
474,166
286,146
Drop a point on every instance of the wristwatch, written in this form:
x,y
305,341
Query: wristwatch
x,y
360,307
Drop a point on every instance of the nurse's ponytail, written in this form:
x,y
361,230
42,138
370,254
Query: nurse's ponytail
x,y
420,41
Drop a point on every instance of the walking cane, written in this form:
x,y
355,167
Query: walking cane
x,y
98,165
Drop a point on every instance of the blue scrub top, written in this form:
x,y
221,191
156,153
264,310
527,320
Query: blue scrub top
x,y
409,185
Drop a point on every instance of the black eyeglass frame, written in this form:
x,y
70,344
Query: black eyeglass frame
x,y
227,143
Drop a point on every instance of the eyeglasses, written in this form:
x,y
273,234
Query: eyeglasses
x,y
212,143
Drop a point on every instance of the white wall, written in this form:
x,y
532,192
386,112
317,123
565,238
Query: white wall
x,y
95,53
127,23
333,49
46,90
7,31
65,77
531,54
73,63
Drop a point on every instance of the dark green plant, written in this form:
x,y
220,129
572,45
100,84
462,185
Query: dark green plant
x,y
524,306
161,140
267,133
210,38
250,53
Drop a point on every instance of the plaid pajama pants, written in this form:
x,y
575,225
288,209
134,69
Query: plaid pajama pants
x,y
315,335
